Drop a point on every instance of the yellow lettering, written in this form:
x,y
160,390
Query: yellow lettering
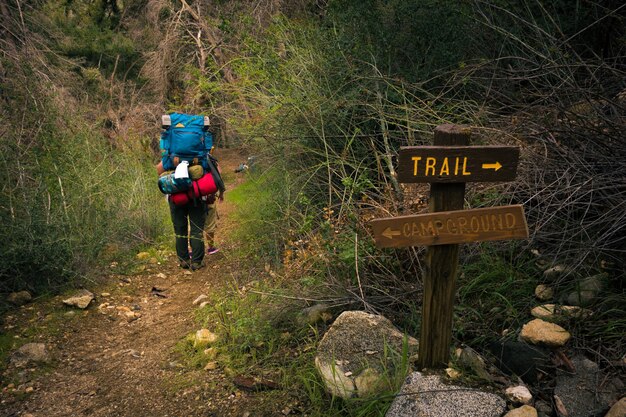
x,y
465,167
463,224
445,169
484,222
415,231
427,229
439,226
415,159
430,165
456,166
475,224
496,219
510,220
406,230
451,226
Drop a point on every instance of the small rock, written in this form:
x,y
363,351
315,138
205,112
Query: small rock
x,y
519,395
70,314
142,256
161,275
542,332
131,316
153,261
587,291
210,366
19,298
618,409
204,337
28,390
30,353
105,294
453,373
210,353
544,293
555,272
470,359
553,312
80,300
203,304
523,411
316,313
200,298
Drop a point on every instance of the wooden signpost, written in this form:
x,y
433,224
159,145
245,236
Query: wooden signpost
x,y
446,227
448,166
457,164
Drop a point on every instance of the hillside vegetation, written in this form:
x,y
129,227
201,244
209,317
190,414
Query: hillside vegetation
x,y
323,94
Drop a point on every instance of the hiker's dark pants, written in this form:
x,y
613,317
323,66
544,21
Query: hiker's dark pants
x,y
188,226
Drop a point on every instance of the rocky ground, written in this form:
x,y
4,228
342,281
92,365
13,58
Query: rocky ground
x,y
119,356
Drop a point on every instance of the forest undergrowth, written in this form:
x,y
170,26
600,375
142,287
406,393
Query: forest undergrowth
x,y
324,104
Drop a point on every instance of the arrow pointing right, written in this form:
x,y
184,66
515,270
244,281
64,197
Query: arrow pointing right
x,y
390,233
495,166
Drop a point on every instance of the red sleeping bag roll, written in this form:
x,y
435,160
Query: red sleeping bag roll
x,y
203,186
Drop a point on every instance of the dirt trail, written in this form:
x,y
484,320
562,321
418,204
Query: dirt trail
x,y
106,366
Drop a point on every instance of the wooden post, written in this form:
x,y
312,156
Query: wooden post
x,y
441,265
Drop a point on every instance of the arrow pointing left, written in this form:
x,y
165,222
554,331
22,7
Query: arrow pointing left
x,y
389,233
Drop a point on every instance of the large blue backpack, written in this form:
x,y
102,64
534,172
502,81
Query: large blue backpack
x,y
185,137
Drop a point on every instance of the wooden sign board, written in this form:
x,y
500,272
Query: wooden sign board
x,y
450,227
457,163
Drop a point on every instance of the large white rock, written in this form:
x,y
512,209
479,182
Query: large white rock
x,y
358,354
427,396
541,332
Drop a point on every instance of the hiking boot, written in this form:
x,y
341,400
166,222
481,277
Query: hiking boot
x,y
196,265
184,264
211,250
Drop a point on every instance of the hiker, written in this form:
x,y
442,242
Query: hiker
x,y
211,223
188,174
188,220
211,218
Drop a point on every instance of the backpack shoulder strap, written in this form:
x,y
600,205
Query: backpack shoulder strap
x,y
212,162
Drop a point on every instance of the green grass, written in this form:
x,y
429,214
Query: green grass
x,y
259,216
496,293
